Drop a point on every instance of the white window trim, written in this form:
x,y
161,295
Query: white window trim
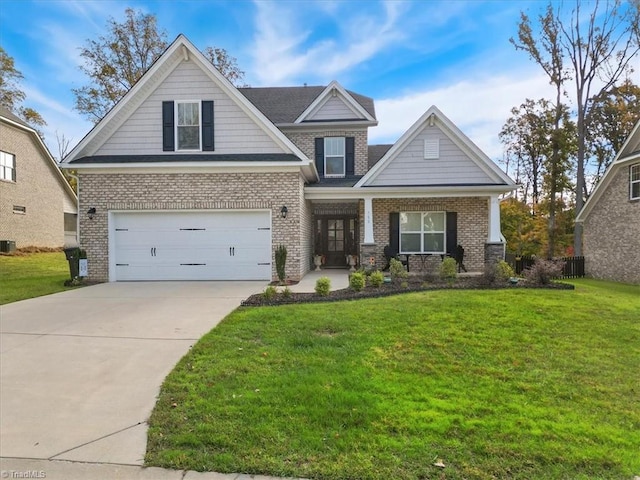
x,y
422,232
633,182
176,115
344,159
431,148
11,169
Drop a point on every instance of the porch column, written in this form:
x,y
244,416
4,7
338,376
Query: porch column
x,y
368,221
495,236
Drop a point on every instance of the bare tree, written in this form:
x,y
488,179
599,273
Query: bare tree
x,y
597,50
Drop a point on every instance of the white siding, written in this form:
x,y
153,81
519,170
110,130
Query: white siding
x,y
334,109
409,167
234,130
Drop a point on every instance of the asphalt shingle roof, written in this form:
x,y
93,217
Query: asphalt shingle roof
x,y
4,112
285,104
375,153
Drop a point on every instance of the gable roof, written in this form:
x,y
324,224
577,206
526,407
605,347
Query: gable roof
x,y
283,105
335,89
629,153
180,50
9,118
433,116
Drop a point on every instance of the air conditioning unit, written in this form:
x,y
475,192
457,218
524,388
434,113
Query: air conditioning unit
x,y
7,246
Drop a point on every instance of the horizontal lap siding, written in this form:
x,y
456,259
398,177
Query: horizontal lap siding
x,y
181,191
235,131
411,168
334,109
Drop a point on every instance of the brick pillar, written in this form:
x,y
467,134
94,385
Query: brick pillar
x,y
493,253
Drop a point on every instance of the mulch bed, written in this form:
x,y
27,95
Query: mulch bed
x,y
413,284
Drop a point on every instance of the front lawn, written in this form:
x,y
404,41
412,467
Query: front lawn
x,y
533,384
32,275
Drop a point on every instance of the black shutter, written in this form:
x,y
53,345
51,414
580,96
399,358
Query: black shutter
x,y
320,156
350,150
452,233
207,126
394,232
168,135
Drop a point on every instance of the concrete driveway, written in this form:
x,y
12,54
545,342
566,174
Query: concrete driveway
x,y
80,370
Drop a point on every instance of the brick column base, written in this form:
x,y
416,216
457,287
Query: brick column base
x,y
493,253
368,257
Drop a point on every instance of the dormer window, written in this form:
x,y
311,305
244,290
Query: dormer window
x,y
334,157
188,125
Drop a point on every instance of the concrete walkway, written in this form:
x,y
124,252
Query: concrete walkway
x,y
80,372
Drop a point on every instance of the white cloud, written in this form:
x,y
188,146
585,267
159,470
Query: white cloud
x,y
285,51
479,107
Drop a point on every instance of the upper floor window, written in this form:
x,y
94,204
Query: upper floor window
x,y
635,181
7,167
334,157
188,125
422,232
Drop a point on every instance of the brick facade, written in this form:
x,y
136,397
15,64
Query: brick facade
x,y
612,233
191,191
473,227
305,141
37,188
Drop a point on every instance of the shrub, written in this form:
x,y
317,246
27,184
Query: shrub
x,y
503,271
543,271
286,292
323,286
269,292
448,270
376,279
281,261
357,281
404,284
396,269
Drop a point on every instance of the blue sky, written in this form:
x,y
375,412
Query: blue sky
x,y
406,55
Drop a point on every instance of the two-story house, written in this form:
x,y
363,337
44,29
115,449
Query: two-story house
x,y
191,178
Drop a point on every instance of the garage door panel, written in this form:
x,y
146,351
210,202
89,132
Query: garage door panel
x,y
233,245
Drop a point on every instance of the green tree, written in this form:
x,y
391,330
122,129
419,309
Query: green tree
x,y
613,115
11,95
596,49
116,61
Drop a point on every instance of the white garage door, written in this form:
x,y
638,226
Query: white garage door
x,y
230,245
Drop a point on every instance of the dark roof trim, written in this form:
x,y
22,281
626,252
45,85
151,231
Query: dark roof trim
x,y
182,158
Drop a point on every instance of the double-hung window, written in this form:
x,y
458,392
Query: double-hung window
x,y
188,125
422,232
334,157
7,167
634,187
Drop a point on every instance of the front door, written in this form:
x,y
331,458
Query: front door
x,y
335,239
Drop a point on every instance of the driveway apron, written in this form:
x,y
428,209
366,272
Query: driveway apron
x,y
80,370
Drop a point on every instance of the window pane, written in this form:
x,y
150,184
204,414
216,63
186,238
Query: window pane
x,y
635,190
334,166
434,222
635,173
434,242
334,146
188,114
410,242
410,222
188,138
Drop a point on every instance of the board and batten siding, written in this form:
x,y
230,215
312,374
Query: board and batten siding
x,y
409,167
234,131
333,109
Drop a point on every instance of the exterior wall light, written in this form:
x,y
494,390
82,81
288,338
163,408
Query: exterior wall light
x,y
91,212
283,211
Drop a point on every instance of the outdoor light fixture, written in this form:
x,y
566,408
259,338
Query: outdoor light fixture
x,y
91,212
283,211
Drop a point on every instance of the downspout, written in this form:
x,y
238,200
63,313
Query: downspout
x,y
77,207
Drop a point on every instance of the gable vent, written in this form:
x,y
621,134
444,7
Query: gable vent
x,y
431,148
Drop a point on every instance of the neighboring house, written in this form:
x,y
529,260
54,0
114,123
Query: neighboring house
x,y
37,205
611,218
190,178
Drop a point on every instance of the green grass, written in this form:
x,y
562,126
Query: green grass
x,y
32,275
522,384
